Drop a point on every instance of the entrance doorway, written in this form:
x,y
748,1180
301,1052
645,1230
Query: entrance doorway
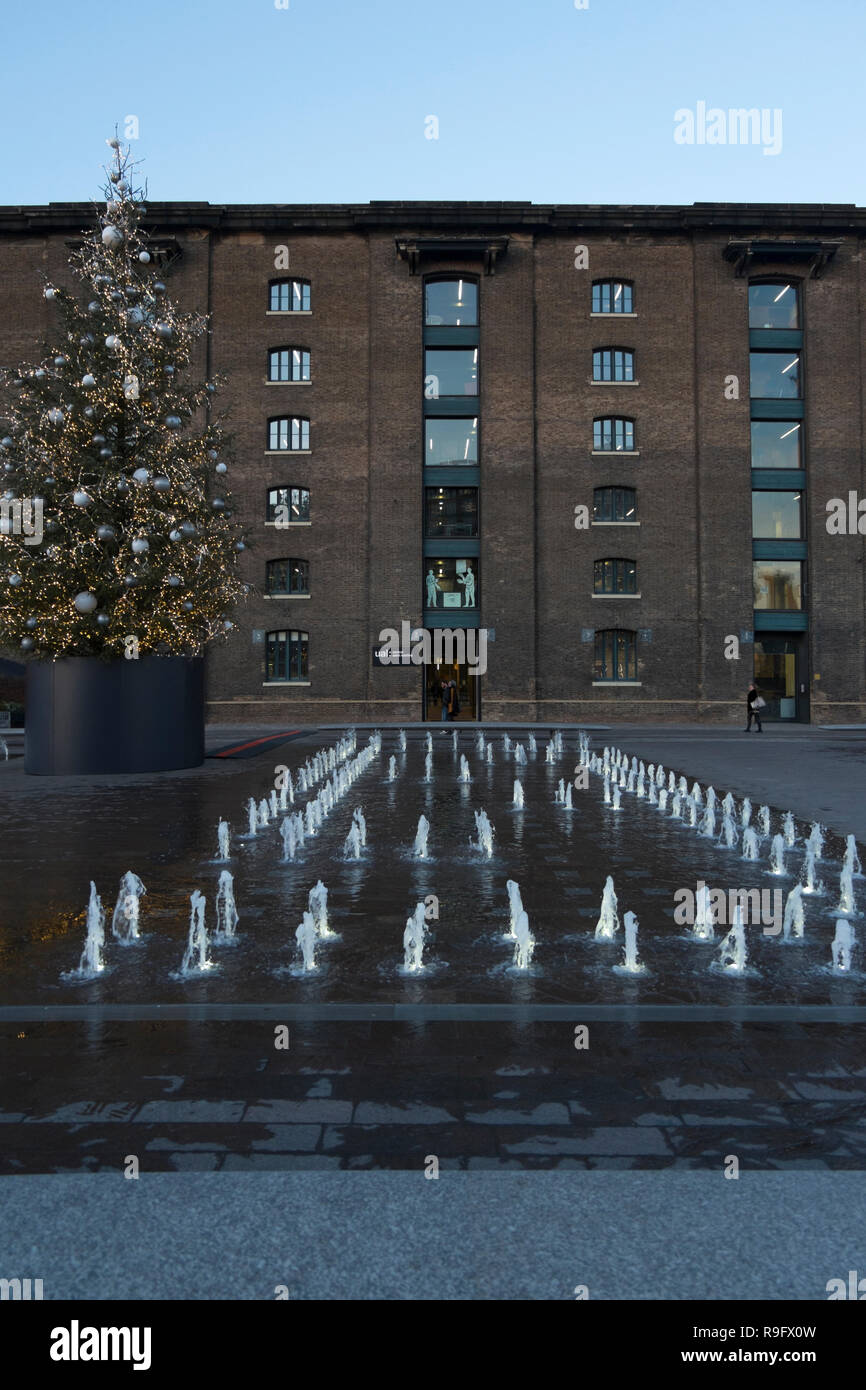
x,y
468,689
780,675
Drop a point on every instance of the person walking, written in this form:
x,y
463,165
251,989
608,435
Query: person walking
x,y
754,705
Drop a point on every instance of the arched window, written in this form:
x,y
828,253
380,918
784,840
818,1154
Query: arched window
x,y
774,304
612,297
615,576
288,432
288,577
288,506
289,297
614,504
289,364
287,656
615,655
451,303
613,364
613,434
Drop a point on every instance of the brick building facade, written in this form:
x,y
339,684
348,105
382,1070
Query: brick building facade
x,y
468,378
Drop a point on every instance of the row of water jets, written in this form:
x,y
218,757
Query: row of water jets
x,y
125,922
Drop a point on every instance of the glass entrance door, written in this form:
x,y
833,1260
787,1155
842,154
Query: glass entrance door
x,y
435,692
778,675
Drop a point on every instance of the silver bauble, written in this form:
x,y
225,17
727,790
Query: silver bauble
x,y
49,292
106,453
173,581
141,475
94,307
175,536
187,606
140,546
105,533
161,484
218,504
88,381
173,422
55,416
15,581
82,498
158,287
31,623
144,257
187,529
60,361
27,644
221,468
112,342
112,237
103,619
85,603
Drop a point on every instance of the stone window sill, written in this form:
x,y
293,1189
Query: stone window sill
x,y
285,683
618,684
284,596
637,595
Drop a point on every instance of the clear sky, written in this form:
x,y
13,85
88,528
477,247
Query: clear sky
x,y
328,100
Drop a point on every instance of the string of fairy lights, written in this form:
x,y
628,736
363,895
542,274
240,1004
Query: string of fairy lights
x,y
118,466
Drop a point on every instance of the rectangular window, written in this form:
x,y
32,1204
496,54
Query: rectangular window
x,y
452,302
776,444
778,584
615,577
773,306
612,297
288,577
289,297
288,432
615,656
774,375
613,435
451,442
776,516
450,372
613,364
451,511
287,656
289,364
451,583
288,505
614,504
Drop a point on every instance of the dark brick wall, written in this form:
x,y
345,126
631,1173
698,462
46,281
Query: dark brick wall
x,y
692,476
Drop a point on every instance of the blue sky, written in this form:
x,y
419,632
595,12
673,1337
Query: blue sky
x,y
326,101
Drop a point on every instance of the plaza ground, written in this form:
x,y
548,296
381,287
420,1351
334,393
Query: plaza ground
x,y
557,1167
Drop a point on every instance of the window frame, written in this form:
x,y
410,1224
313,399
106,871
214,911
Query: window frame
x,y
764,280
290,351
628,364
614,420
290,562
630,642
627,287
446,278
292,637
616,560
614,488
287,488
291,280
302,448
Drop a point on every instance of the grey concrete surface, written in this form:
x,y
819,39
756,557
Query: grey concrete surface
x,y
399,1236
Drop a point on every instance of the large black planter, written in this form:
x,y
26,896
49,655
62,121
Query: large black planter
x,y
85,715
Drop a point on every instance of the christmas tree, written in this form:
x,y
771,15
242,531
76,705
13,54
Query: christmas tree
x,y
116,532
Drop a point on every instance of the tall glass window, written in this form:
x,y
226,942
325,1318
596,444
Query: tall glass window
x,y
612,297
451,302
451,442
288,432
287,656
774,305
774,375
615,656
778,584
777,444
776,516
451,511
289,364
450,583
612,435
613,364
289,296
450,372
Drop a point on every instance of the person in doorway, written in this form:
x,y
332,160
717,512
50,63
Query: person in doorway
x,y
453,701
436,690
445,691
754,705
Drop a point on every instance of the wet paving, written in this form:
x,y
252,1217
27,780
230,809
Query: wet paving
x,y
514,1093
166,833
